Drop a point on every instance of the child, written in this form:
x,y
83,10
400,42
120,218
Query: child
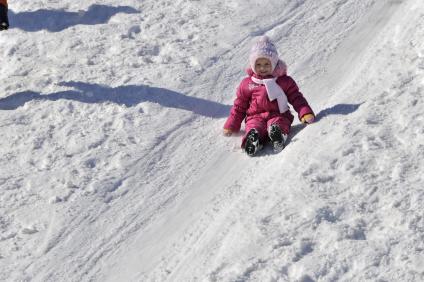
x,y
4,21
262,100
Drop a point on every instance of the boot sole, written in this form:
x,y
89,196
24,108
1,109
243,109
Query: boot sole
x,y
252,145
277,139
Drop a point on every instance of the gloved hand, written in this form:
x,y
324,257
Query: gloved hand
x,y
4,21
227,132
308,118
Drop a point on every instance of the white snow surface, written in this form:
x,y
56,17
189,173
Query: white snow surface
x,y
114,167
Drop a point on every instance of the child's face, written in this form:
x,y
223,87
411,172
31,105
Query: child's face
x,y
263,67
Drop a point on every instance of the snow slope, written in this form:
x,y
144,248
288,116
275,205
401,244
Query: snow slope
x,y
113,167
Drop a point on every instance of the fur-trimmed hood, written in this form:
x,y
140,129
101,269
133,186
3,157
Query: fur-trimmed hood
x,y
279,70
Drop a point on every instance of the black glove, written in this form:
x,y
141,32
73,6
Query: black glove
x,y
4,21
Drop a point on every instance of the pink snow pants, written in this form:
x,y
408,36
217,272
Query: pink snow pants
x,y
262,122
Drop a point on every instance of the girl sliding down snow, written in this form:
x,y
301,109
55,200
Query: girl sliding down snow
x,y
263,98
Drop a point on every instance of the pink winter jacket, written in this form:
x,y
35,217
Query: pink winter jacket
x,y
252,100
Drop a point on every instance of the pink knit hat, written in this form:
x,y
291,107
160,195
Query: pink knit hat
x,y
263,48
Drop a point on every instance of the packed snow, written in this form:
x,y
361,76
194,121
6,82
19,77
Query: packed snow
x,y
114,166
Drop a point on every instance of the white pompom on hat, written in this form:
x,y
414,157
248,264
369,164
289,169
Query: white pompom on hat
x,y
263,48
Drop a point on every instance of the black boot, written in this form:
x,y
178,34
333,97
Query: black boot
x,y
278,138
4,21
252,145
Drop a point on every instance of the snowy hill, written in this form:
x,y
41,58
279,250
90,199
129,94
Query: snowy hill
x,y
114,168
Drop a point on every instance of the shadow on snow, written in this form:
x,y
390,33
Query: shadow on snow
x,y
58,20
128,95
339,109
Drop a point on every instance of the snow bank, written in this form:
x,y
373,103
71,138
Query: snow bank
x,y
113,166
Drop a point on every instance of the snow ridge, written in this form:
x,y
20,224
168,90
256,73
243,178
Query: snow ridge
x,y
113,167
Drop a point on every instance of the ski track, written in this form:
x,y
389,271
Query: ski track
x,y
196,238
217,219
269,266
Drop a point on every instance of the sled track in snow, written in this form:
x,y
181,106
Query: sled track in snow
x,y
189,229
216,219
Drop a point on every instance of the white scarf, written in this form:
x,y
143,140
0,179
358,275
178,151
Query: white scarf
x,y
274,92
